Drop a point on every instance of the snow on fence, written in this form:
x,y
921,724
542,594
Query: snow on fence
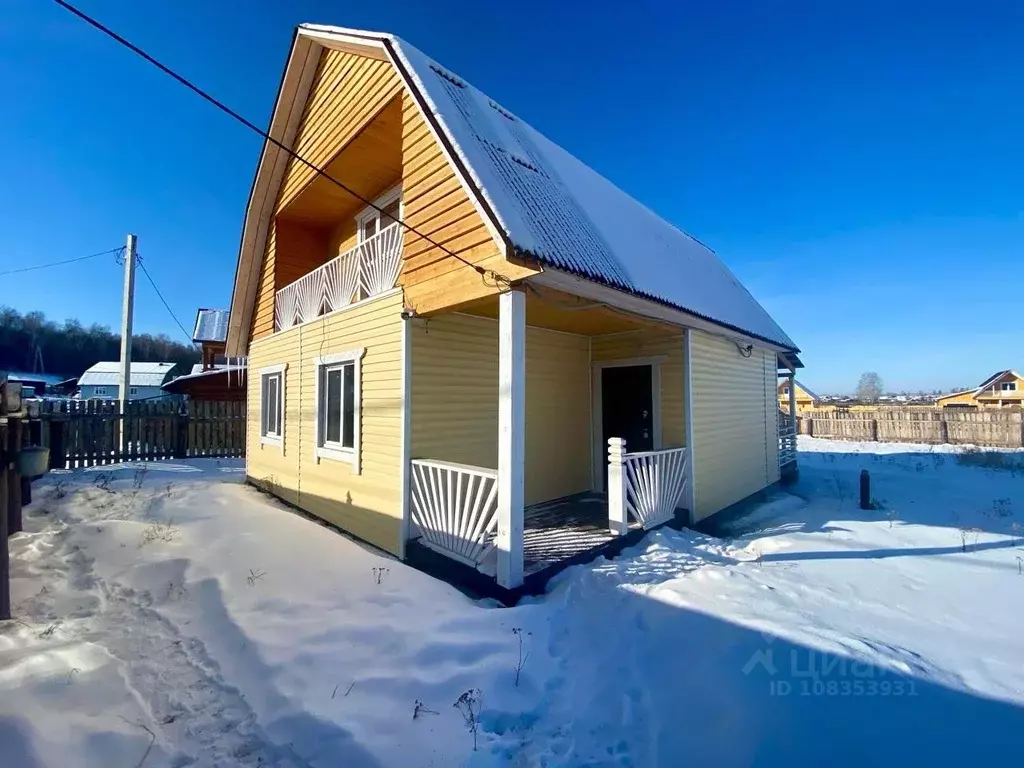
x,y
371,267
650,485
455,507
986,427
87,433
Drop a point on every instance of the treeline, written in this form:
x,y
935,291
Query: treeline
x,y
70,347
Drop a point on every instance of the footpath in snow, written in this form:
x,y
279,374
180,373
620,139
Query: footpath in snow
x,y
168,615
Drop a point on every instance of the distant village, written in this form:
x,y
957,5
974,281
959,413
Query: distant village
x,y
216,377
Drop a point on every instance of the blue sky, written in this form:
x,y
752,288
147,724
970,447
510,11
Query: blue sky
x,y
859,166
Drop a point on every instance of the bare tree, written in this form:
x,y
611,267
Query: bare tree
x,y
869,388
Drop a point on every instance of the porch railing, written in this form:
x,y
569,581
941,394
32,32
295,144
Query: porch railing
x,y
455,507
649,485
366,270
787,439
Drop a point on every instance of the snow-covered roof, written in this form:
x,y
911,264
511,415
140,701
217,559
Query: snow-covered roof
x,y
211,325
557,210
141,374
45,378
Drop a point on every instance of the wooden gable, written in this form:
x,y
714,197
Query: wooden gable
x,y
367,130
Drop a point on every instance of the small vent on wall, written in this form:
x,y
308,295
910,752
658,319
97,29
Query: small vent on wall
x,y
504,113
447,76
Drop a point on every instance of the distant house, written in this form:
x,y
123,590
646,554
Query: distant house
x,y
145,381
216,377
1001,389
35,384
804,397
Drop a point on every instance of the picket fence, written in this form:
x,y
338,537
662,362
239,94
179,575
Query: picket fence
x,y
87,433
984,427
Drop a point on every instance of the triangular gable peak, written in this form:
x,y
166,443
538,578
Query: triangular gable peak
x,y
992,386
539,204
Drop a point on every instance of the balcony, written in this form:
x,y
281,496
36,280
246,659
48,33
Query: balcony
x,y
367,270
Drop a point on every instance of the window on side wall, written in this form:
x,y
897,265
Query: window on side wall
x,y
272,405
1009,386
100,391
133,390
338,395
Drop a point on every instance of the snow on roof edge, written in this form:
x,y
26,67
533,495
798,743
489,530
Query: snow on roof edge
x,y
413,62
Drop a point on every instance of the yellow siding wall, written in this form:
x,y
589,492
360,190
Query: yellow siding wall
x,y
349,90
455,401
654,343
368,504
966,398
735,422
435,204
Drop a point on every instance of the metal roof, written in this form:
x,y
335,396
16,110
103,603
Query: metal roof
x,y
142,374
211,325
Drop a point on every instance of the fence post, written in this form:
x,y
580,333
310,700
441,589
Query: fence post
x,y
181,435
943,428
617,515
14,519
874,430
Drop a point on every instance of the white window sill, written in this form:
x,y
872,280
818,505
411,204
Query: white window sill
x,y
277,442
347,455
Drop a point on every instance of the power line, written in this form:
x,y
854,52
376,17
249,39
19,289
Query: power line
x,y
267,137
138,260
59,263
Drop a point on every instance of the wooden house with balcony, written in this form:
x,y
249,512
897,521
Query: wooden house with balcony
x,y
465,345
1000,390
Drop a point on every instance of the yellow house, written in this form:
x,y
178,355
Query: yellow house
x,y
464,343
802,396
1002,389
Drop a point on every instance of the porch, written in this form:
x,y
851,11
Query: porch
x,y
556,535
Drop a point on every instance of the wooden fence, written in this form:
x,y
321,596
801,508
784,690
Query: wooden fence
x,y
87,433
989,427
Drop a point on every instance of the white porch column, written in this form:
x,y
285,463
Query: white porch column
x,y
511,435
791,378
618,520
691,484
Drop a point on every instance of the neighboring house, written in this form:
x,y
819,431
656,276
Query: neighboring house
x,y
456,403
145,381
803,396
1005,388
35,384
216,377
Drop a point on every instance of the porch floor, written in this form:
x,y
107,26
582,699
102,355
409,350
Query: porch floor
x,y
564,530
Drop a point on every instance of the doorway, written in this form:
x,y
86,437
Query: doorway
x,y
627,406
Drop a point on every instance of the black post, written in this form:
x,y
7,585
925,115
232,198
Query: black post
x,y
14,523
5,562
57,431
865,489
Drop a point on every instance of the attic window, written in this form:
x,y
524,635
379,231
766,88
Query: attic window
x,y
507,115
447,76
1008,386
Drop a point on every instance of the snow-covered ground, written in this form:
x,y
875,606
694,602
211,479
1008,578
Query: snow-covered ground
x,y
176,617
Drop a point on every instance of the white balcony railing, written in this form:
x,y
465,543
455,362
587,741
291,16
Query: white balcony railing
x,y
649,485
787,439
368,269
455,507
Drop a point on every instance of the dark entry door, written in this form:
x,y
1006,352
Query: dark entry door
x,y
627,406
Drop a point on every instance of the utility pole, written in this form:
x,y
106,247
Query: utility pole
x,y
124,378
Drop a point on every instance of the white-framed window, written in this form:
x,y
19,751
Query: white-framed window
x,y
370,221
338,395
133,390
272,405
1008,386
100,391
